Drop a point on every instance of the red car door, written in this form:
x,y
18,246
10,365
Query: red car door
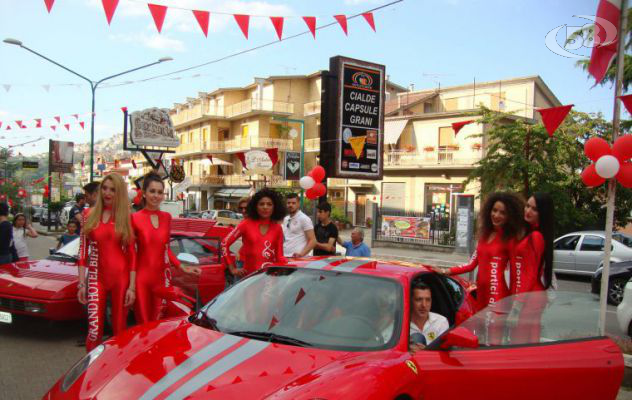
x,y
553,353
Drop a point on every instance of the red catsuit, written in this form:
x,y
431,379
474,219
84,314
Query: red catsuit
x,y
108,264
257,248
152,262
526,277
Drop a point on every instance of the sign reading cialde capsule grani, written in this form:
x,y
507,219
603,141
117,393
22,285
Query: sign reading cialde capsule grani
x,y
355,119
153,127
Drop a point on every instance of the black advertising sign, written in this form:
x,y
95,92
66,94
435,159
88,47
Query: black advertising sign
x,y
30,165
355,119
292,168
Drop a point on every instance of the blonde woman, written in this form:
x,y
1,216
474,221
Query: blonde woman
x,y
107,251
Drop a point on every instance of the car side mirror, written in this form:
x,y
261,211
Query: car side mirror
x,y
52,251
459,337
188,258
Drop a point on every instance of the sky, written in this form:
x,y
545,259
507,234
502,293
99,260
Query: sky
x,y
424,43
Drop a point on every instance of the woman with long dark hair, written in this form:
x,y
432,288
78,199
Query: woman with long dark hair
x,y
260,233
532,268
107,251
152,229
500,224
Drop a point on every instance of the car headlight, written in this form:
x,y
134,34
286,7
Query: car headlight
x,y
32,307
80,367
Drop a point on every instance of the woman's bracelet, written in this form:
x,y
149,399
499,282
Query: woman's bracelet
x,y
81,285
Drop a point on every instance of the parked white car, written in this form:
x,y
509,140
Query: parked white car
x,y
581,253
223,217
624,310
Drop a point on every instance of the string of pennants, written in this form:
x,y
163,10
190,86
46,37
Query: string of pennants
x,y
159,12
40,123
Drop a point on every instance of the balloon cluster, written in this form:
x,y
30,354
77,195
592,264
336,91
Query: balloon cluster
x,y
312,183
608,162
22,193
135,195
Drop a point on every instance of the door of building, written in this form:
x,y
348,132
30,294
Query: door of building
x,y
360,209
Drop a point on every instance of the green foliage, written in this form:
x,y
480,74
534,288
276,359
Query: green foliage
x,y
550,165
338,214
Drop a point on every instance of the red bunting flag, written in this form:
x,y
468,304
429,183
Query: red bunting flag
x,y
605,40
76,116
311,24
277,22
0,124
457,126
627,102
19,122
8,128
53,127
242,158
553,117
368,16
49,4
58,119
82,124
158,12
38,123
109,6
273,154
243,21
202,18
210,158
124,109
342,20
67,126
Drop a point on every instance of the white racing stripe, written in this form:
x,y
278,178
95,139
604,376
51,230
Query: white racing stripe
x,y
320,264
349,266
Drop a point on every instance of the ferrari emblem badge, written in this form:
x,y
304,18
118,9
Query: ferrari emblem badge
x,y
431,336
412,366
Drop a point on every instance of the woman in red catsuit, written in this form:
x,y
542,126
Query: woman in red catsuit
x,y
152,229
532,269
107,251
261,235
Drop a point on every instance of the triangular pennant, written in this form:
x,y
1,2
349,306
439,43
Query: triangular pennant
x,y
277,22
158,12
49,4
299,296
82,124
8,128
553,117
357,144
19,122
53,127
342,20
7,87
627,102
457,126
76,116
242,158
243,21
67,126
38,123
210,158
58,119
202,18
311,24
46,87
369,19
273,154
273,322
1,126
109,6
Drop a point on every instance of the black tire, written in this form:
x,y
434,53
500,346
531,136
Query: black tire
x,y
616,288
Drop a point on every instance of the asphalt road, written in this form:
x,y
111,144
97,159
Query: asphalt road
x,y
35,353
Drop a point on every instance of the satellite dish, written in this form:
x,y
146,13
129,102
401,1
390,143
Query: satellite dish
x,y
293,133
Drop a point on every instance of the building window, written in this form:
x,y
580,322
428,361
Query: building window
x,y
446,137
244,131
191,137
205,134
499,101
438,198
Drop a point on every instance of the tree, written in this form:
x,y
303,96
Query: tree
x,y
521,157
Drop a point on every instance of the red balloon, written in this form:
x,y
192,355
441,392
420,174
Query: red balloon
x,y
622,148
317,173
590,176
596,147
311,194
320,189
625,175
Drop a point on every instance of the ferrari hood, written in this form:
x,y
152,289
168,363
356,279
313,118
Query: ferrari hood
x,y
176,360
41,279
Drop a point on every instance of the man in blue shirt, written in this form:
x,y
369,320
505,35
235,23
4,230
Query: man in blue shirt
x,y
356,247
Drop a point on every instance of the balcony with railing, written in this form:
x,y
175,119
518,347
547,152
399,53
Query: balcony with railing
x,y
430,157
186,115
241,144
311,108
312,145
255,106
210,180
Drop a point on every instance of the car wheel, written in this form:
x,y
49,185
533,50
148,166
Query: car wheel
x,y
615,290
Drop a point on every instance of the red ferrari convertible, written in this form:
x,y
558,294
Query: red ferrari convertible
x,y
338,328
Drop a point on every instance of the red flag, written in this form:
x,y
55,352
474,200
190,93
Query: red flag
x,y
53,127
627,102
553,117
8,128
109,6
242,158
243,21
457,126
605,40
0,124
82,124
273,154
369,19
124,109
278,26
311,24
58,120
202,19
76,116
210,158
67,126
49,4
38,123
342,20
19,122
158,12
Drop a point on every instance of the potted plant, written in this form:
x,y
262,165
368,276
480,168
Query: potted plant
x,y
453,147
369,222
410,148
428,148
477,146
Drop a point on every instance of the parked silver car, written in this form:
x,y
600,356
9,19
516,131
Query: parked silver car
x,y
581,253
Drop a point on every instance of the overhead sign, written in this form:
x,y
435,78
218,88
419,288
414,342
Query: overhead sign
x,y
353,110
292,166
258,162
153,127
60,156
30,165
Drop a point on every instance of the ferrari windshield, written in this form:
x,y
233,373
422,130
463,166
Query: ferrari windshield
x,y
69,250
323,309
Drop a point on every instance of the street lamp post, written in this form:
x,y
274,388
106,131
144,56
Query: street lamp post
x,y
93,87
302,163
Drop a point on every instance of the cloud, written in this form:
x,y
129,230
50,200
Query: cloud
x,y
152,41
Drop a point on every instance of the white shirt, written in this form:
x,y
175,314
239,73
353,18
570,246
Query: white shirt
x,y
434,326
294,228
19,241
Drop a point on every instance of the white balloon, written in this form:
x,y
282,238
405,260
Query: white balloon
x,y
307,182
131,194
607,166
293,133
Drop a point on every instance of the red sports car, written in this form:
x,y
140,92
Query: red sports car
x,y
48,288
338,328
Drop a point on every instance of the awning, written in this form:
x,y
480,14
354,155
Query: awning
x,y
216,161
235,193
393,130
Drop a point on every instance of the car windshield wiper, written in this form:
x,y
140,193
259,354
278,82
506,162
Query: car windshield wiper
x,y
272,337
203,320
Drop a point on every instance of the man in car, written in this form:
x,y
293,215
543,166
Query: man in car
x,y
425,326
298,230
